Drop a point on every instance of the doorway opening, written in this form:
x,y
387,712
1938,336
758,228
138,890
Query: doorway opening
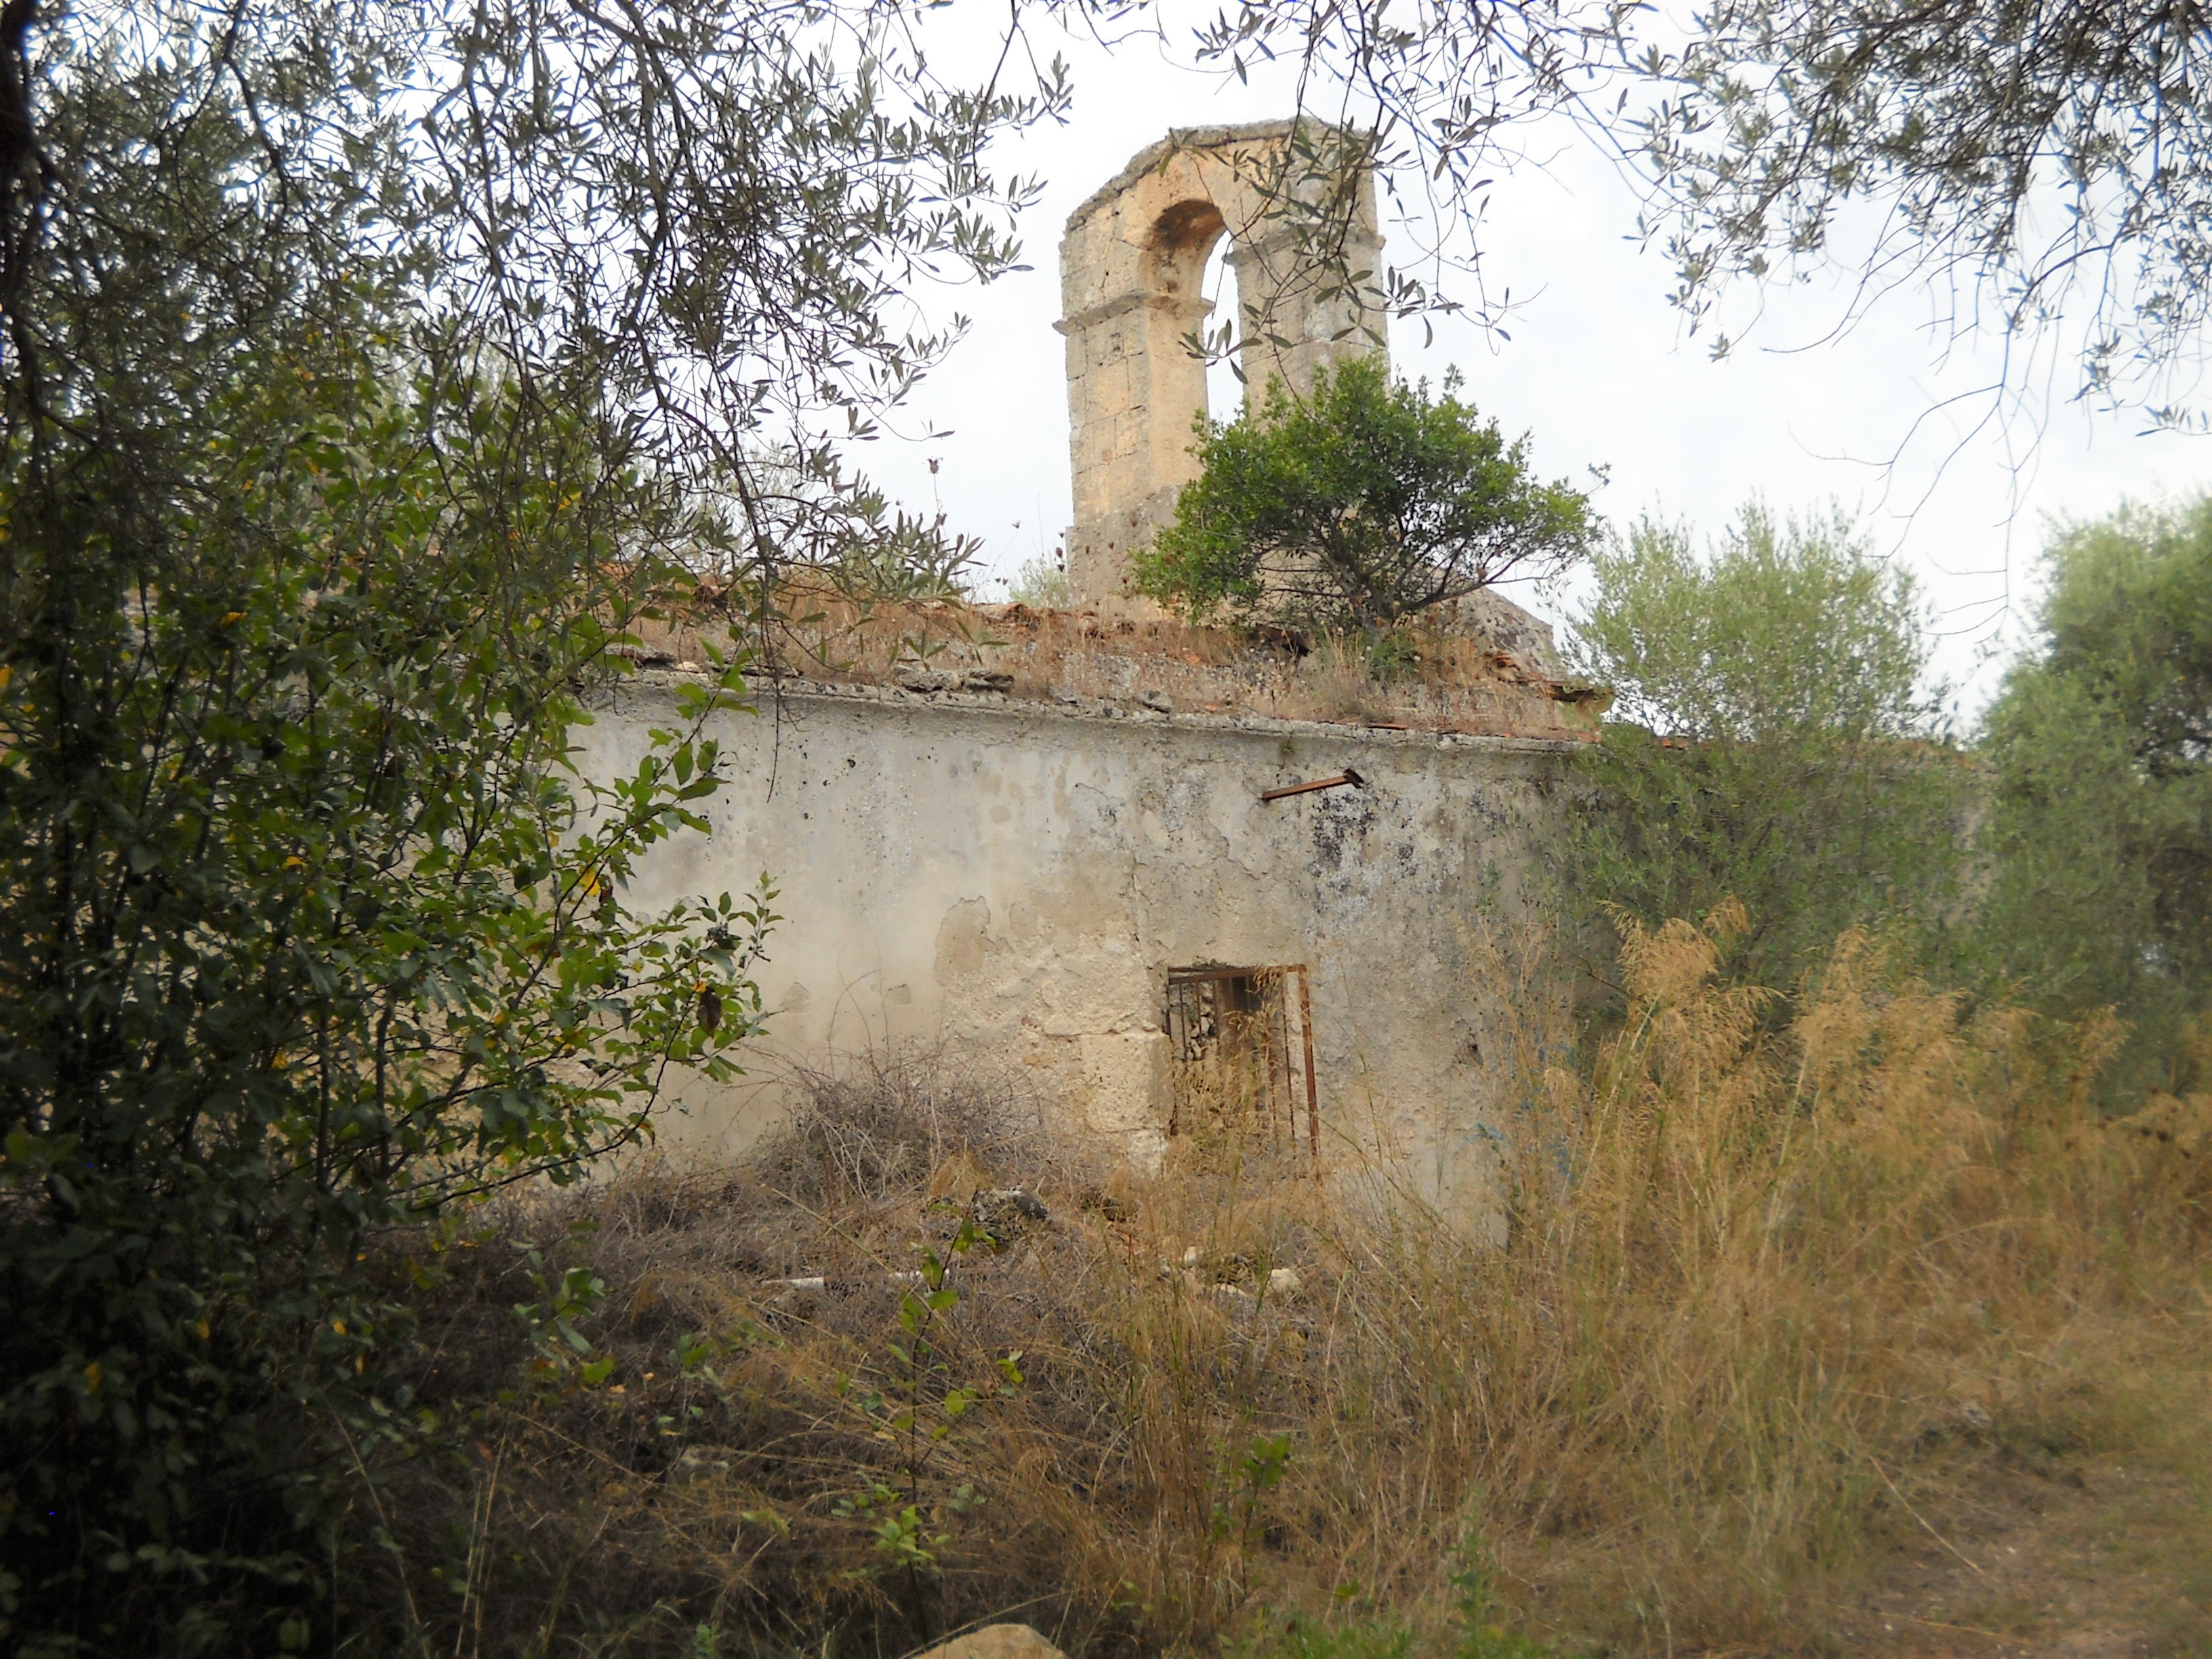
x,y
1241,1042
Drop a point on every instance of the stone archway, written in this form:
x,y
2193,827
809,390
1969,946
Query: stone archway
x,y
1130,269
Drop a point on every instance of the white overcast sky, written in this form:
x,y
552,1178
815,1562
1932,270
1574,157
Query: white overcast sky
x,y
1599,369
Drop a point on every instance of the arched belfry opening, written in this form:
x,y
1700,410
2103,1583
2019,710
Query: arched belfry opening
x,y
1133,271
1192,271
1181,239
1225,380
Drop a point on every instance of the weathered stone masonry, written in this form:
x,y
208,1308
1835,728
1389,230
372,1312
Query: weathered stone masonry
x,y
1130,269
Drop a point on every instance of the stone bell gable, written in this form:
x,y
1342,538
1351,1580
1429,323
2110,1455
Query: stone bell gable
x,y
1132,265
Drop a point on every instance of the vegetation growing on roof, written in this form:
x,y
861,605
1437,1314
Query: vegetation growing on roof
x,y
1358,506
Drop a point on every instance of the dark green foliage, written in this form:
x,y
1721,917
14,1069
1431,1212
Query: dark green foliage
x,y
307,929
1780,747
1357,506
2100,827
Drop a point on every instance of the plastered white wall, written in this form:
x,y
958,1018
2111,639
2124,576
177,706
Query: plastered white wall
x,y
1016,880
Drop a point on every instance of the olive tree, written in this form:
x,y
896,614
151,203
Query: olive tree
x,y
366,371
2099,751
1778,742
2033,159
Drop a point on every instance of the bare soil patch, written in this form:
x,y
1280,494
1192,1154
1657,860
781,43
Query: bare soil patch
x,y
2038,1553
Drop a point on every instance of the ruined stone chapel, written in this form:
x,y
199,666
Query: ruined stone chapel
x,y
1156,867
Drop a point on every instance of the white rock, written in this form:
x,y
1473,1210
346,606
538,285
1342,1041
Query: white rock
x,y
915,677
995,1642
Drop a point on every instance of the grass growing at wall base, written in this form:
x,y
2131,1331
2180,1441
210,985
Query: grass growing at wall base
x,y
1786,1307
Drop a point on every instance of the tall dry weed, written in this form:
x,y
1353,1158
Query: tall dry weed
x,y
1764,1270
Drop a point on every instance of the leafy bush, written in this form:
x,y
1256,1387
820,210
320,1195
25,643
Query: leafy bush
x,y
1356,506
306,929
2100,746
1782,746
1042,585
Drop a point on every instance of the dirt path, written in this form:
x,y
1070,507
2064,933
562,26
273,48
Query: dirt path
x,y
2041,1557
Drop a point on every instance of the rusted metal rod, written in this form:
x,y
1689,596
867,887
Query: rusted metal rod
x,y
1347,776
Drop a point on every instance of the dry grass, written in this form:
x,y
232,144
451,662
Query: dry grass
x,y
1451,678
1764,1308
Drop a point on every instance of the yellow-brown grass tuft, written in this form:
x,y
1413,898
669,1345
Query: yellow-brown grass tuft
x,y
1771,1283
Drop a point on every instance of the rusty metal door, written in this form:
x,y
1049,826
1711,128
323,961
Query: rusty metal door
x,y
1236,1042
